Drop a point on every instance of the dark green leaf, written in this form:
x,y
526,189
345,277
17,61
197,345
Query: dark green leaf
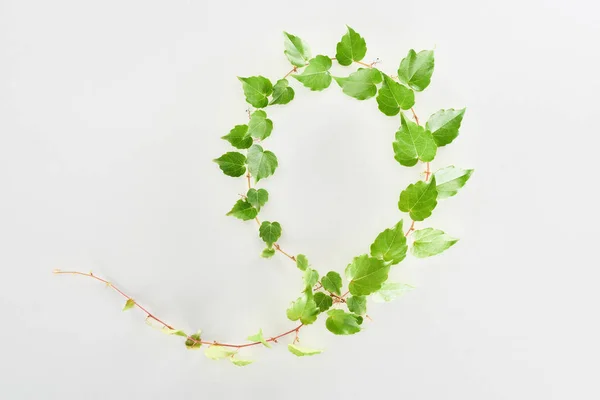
x,y
419,199
243,210
238,137
444,125
332,282
393,96
323,301
390,245
232,163
194,341
413,143
270,232
257,89
343,323
351,48
366,275
282,92
416,69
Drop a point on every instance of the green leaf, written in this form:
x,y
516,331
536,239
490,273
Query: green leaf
x,y
351,48
238,137
232,163
310,277
243,210
416,69
257,198
316,76
413,143
304,309
176,332
366,275
257,89
296,50
216,352
261,163
389,291
429,242
357,304
268,252
302,351
343,323
361,84
419,199
301,262
282,92
393,96
240,362
450,179
194,342
260,126
444,125
332,282
390,245
323,301
129,304
269,232
259,338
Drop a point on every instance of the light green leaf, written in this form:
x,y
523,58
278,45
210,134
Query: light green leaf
x,y
216,352
232,163
257,89
302,351
357,304
301,262
416,69
351,48
450,179
261,163
282,92
444,125
323,301
419,199
243,210
361,84
429,242
343,323
389,291
257,198
390,245
240,362
296,50
393,96
269,232
332,282
413,143
193,342
176,332
259,338
310,277
304,309
366,275
268,252
316,76
260,126
238,137
129,304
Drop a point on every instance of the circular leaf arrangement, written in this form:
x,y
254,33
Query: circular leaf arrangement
x,y
344,308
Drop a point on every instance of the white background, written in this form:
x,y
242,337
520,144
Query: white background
x,y
110,115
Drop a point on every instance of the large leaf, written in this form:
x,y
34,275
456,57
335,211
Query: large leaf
x,y
413,143
269,232
316,76
390,245
361,84
429,242
257,198
282,92
342,323
332,282
302,351
232,163
243,210
416,69
393,96
444,125
260,126
238,137
296,50
257,89
261,163
351,48
419,199
450,179
304,309
366,275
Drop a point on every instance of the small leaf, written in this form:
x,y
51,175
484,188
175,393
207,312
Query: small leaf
x,y
366,275
429,242
301,262
257,89
389,291
332,282
193,342
304,309
257,198
238,137
450,179
390,245
261,163
351,48
240,362
296,50
282,92
243,210
259,338
270,232
323,301
357,304
232,163
419,199
444,125
175,332
268,252
416,69
129,304
413,143
343,323
361,84
216,352
316,76
310,277
393,96
302,351
260,126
